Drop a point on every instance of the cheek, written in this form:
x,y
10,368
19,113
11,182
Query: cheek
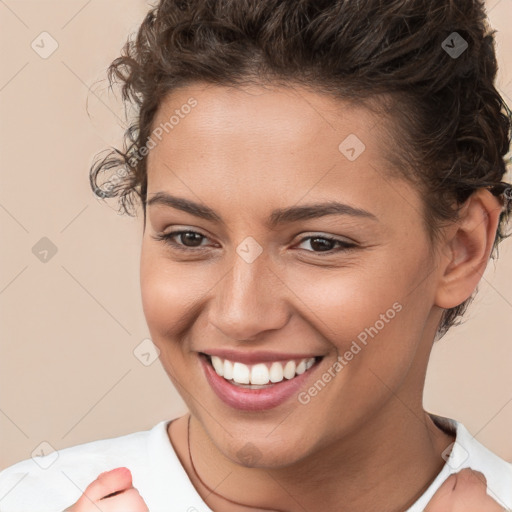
x,y
344,301
376,310
375,328
171,293
162,291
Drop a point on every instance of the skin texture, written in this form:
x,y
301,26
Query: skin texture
x,y
244,153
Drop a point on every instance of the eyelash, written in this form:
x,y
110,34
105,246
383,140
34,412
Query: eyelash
x,y
167,238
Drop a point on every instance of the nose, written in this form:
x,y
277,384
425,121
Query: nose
x,y
249,300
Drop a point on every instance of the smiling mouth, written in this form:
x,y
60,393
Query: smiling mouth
x,y
259,375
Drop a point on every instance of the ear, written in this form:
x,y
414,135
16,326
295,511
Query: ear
x,y
467,248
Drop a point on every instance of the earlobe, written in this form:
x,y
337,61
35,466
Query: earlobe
x,y
468,246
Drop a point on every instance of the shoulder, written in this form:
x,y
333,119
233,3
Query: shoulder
x,y
467,452
57,480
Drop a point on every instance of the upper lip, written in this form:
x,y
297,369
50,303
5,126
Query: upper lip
x,y
256,356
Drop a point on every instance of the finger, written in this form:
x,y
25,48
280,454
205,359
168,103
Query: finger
x,y
474,485
470,478
465,491
128,501
456,488
116,480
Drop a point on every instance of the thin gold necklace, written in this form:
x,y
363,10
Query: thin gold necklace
x,y
211,490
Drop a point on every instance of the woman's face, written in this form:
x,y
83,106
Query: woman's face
x,y
260,283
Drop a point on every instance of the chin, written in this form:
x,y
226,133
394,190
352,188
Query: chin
x,y
263,452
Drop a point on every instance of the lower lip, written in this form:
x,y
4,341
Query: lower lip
x,y
253,399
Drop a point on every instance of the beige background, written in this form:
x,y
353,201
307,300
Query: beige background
x,y
69,325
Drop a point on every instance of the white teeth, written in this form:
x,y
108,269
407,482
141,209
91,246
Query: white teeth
x,y
218,365
301,367
289,370
259,374
276,372
241,373
228,370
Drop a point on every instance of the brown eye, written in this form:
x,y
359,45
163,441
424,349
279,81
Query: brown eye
x,y
326,244
181,240
322,244
190,238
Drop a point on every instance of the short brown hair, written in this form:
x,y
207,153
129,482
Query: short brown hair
x,y
453,124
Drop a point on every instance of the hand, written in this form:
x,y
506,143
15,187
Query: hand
x,y
463,492
112,491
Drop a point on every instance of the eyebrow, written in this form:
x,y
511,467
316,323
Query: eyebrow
x,y
278,216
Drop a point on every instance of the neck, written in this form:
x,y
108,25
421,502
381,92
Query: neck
x,y
376,467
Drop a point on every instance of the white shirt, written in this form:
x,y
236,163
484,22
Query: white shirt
x,y
57,480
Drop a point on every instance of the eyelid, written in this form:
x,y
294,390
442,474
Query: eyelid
x,y
167,238
343,245
328,236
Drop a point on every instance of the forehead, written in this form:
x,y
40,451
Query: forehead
x,y
258,123
240,145
262,116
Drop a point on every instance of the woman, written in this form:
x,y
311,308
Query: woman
x,y
322,185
